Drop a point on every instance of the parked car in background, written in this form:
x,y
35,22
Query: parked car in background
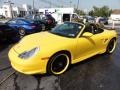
x,y
25,26
114,21
47,21
117,21
103,20
61,14
89,19
2,17
7,32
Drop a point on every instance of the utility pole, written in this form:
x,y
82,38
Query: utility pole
x,y
77,4
33,7
10,5
50,3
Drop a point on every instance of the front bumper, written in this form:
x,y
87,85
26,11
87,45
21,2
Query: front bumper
x,y
31,66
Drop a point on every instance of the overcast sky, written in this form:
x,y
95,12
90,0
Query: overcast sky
x,y
83,4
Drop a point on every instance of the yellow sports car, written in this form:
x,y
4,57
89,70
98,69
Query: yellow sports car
x,y
53,51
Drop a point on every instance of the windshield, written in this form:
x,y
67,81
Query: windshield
x,y
37,17
67,29
29,17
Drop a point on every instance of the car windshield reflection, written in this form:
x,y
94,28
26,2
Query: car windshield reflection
x,y
67,29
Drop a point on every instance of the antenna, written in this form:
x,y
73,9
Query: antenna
x,y
77,4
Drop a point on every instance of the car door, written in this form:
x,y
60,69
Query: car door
x,y
21,24
100,38
88,46
85,46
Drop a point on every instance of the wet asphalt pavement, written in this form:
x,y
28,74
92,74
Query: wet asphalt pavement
x,y
101,72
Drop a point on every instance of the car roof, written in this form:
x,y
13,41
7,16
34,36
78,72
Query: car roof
x,y
23,19
18,19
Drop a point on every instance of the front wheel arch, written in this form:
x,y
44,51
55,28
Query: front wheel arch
x,y
21,28
63,52
67,53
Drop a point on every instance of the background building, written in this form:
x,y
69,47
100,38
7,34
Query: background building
x,y
16,11
115,15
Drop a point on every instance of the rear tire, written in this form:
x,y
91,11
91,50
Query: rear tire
x,y
58,64
111,46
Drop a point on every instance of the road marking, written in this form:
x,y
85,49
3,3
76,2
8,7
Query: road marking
x,y
7,77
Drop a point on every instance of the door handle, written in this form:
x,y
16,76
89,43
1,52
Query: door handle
x,y
104,40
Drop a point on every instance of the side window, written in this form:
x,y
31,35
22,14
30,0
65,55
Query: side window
x,y
44,17
99,30
20,22
29,17
89,28
37,17
92,28
12,22
95,29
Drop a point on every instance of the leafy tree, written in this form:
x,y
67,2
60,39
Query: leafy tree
x,y
104,11
91,13
79,12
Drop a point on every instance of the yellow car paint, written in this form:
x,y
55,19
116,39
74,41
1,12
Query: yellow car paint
x,y
80,48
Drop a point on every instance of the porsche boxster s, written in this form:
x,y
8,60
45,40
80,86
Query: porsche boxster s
x,y
53,51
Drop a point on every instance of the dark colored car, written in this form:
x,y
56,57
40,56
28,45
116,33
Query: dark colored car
x,y
103,20
89,19
24,26
7,32
47,21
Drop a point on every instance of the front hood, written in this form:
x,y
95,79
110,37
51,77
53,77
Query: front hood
x,y
42,40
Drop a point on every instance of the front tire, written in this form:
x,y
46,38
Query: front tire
x,y
22,32
111,46
58,64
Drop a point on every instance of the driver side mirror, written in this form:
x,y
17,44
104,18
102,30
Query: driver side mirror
x,y
87,34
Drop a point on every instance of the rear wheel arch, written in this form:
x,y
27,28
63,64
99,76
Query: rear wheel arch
x,y
20,27
62,52
113,46
114,38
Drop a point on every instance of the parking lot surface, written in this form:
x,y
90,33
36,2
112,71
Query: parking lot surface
x,y
101,72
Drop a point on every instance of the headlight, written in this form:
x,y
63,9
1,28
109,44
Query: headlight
x,y
28,54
